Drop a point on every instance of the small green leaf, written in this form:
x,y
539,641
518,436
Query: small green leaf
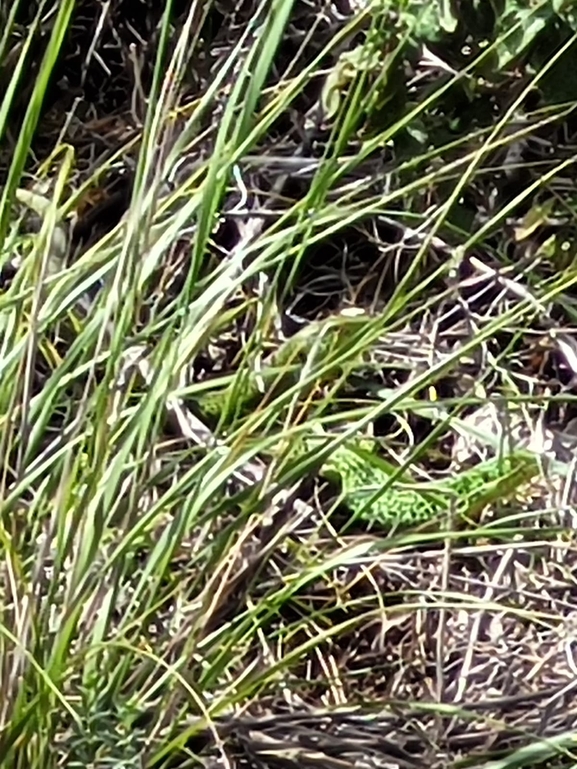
x,y
538,216
526,24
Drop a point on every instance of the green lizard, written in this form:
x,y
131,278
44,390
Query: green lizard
x,y
326,345
366,487
364,478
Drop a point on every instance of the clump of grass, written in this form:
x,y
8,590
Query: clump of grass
x,y
166,566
